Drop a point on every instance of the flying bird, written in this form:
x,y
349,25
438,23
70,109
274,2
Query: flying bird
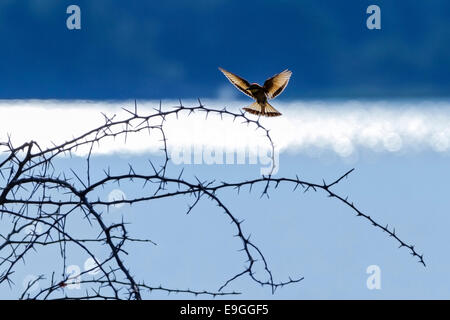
x,y
272,87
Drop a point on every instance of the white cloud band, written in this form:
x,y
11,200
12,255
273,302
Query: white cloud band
x,y
340,126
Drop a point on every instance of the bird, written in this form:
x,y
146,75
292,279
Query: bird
x,y
272,87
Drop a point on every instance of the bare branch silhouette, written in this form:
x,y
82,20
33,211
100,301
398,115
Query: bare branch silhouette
x,y
33,191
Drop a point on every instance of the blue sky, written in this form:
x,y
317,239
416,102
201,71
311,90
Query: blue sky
x,y
377,101
300,234
153,50
316,237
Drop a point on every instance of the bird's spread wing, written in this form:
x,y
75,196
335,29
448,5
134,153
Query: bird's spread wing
x,y
275,85
237,81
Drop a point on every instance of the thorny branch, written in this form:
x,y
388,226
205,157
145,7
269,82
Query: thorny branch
x,y
33,192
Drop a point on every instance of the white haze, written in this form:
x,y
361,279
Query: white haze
x,y
342,127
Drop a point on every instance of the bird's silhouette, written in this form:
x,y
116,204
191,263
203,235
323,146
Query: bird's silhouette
x,y
272,87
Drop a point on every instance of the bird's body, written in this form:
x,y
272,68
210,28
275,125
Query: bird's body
x,y
272,87
258,92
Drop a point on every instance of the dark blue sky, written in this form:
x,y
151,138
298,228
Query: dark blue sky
x,y
171,49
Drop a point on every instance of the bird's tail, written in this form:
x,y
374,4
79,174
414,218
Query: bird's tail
x,y
262,109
